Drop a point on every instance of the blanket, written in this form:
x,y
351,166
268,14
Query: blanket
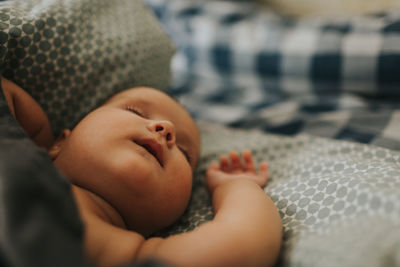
x,y
284,86
339,201
69,56
318,99
254,68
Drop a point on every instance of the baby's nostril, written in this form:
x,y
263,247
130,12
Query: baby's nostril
x,y
159,128
168,137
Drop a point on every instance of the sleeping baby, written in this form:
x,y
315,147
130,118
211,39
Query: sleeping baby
x,y
130,163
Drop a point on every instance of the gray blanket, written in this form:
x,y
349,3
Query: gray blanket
x,y
339,201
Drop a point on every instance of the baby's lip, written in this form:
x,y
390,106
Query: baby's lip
x,y
154,148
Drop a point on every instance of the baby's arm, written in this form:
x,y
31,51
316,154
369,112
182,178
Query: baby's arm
x,y
28,113
246,230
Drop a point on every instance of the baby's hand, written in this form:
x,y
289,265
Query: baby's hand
x,y
233,168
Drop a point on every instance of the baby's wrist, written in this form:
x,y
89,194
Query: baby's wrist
x,y
234,189
234,184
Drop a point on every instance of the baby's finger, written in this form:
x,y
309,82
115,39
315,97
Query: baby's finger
x,y
264,170
213,166
224,164
235,159
248,161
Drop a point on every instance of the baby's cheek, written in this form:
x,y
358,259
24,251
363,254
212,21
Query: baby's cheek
x,y
184,187
175,202
134,173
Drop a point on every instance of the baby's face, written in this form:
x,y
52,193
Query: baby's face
x,y
137,152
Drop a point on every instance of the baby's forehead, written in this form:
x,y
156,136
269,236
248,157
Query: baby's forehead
x,y
145,94
153,100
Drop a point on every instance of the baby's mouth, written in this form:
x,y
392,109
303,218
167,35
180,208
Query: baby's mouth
x,y
154,149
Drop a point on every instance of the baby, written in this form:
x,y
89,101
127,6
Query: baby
x,y
131,162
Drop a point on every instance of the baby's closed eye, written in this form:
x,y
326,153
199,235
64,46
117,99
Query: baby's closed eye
x,y
134,110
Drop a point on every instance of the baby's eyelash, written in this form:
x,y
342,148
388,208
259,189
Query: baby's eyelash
x,y
134,110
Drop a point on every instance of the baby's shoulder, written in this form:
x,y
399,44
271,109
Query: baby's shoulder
x,y
109,245
105,242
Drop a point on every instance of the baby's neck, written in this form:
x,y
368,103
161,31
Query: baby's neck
x,y
90,204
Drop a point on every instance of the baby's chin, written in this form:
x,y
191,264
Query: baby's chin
x,y
154,223
152,229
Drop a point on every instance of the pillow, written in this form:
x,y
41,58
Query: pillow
x,y
72,55
339,201
244,45
330,8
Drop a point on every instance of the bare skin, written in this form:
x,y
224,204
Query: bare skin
x,y
28,113
246,230
130,163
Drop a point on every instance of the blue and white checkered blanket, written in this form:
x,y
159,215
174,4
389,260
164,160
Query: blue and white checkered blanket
x,y
246,66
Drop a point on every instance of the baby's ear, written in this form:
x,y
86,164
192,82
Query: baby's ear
x,y
56,147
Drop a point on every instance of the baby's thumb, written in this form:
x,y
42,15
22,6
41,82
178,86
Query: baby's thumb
x,y
212,176
263,173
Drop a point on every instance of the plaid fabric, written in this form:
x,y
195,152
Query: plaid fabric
x,y
253,68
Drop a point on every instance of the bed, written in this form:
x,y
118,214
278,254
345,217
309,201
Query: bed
x,y
317,98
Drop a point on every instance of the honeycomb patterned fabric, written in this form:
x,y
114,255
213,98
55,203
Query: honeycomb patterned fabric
x,y
339,201
72,55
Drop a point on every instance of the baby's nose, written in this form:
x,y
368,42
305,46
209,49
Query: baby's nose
x,y
166,129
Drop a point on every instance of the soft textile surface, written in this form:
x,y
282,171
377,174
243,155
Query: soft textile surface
x,y
72,55
252,68
240,40
339,201
244,66
334,197
330,8
39,221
